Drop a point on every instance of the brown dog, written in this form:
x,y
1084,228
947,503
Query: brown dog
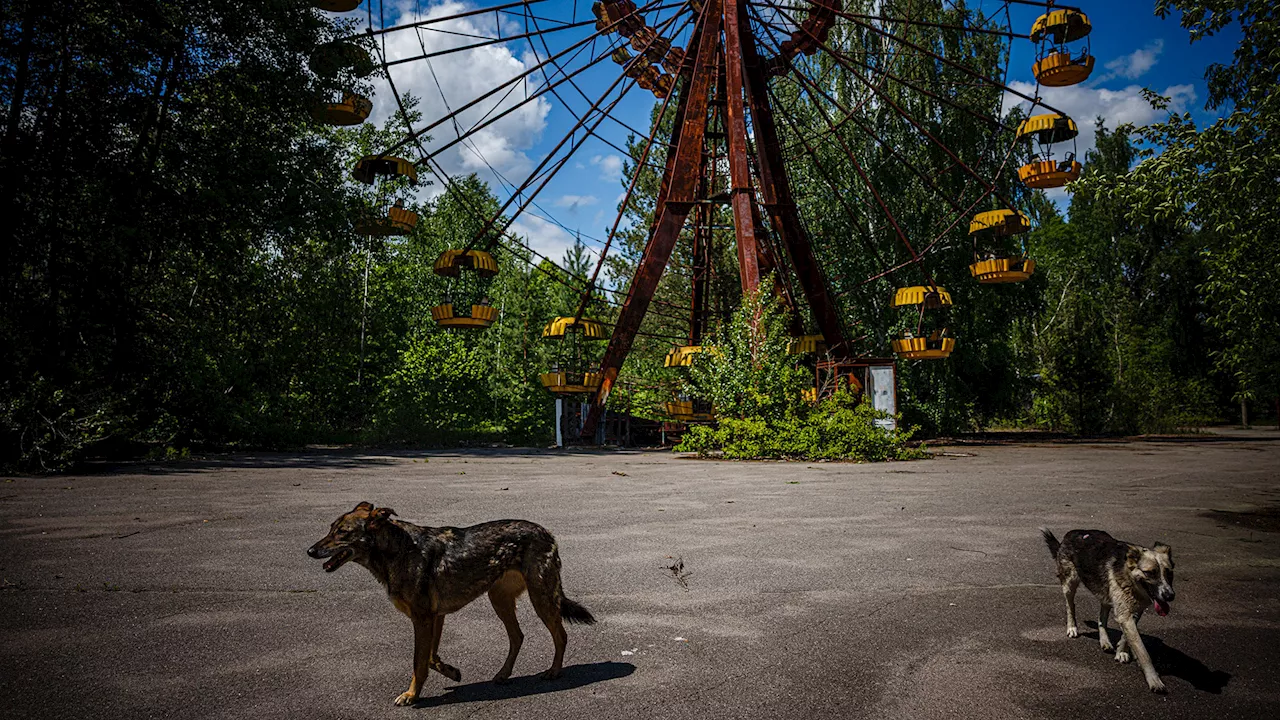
x,y
431,572
1126,578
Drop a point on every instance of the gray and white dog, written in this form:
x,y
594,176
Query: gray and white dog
x,y
1126,579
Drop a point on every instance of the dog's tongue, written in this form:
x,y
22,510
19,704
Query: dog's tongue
x,y
1162,607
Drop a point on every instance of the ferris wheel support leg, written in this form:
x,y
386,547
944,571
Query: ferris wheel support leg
x,y
680,186
742,192
775,189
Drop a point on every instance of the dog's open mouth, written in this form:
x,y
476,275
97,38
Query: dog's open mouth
x,y
342,556
1162,607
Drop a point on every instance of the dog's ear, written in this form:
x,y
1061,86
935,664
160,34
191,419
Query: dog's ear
x,y
364,505
380,516
1133,557
1161,549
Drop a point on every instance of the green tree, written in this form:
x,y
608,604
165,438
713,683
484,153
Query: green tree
x,y
1219,181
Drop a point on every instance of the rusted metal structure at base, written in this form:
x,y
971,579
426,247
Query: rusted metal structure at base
x,y
725,89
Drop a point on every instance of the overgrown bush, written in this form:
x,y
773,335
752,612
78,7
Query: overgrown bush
x,y
842,427
755,386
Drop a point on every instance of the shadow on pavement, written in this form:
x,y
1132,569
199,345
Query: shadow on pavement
x,y
574,676
328,458
1172,662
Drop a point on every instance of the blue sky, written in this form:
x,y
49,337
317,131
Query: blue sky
x,y
1134,50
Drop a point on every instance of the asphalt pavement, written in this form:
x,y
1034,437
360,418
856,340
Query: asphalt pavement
x,y
807,590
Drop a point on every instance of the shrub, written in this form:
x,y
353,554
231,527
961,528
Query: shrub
x,y
755,387
842,427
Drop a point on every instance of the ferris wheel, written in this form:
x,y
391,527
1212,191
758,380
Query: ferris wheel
x,y
760,104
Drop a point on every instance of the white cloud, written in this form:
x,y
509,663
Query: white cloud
x,y
610,166
464,76
573,202
1085,104
547,238
1135,64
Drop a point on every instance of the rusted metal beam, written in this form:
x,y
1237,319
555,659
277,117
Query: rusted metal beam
x,y
681,186
742,193
775,189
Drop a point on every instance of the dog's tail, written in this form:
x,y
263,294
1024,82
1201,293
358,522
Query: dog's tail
x,y
575,613
1051,541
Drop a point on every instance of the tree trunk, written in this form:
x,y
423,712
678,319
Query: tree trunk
x,y
1244,413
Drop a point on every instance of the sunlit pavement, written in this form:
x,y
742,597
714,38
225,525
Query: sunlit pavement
x,y
897,590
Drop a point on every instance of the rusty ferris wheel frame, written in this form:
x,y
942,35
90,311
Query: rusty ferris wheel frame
x,y
719,86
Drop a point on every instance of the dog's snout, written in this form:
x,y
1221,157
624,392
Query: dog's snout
x,y
312,552
1167,594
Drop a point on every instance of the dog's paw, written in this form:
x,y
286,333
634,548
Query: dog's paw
x,y
1073,631
449,671
502,677
1106,645
550,674
1122,657
406,698
1156,686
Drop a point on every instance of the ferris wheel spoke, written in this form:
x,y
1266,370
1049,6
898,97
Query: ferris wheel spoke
x,y
962,211
488,119
812,88
487,41
883,96
857,166
907,21
840,195
650,141
446,18
542,37
522,76
886,76
600,115
993,82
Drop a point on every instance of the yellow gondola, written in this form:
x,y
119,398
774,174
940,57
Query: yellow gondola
x,y
456,265
451,263
618,16
398,221
482,316
338,6
353,110
572,376
935,345
681,356
999,222
1059,69
370,167
569,383
807,344
930,297
1048,129
997,268
562,327
1055,64
1061,26
1045,174
1043,171
1003,270
690,411
684,408
331,58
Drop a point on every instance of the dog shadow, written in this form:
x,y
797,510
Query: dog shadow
x,y
572,676
1172,662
